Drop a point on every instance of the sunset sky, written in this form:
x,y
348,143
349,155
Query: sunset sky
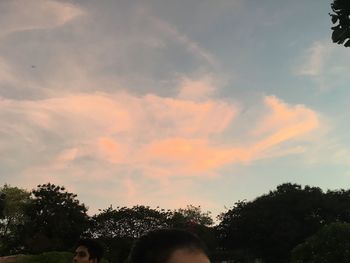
x,y
168,103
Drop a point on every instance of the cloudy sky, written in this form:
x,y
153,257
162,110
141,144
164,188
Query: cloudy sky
x,y
169,103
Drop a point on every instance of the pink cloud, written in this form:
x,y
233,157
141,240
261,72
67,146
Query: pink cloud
x,y
196,89
186,118
157,136
145,149
185,155
285,123
67,155
112,151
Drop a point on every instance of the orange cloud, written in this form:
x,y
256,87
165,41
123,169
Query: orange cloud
x,y
145,149
196,89
190,157
111,150
161,137
187,118
284,123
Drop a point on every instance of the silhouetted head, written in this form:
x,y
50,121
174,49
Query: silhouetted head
x,y
168,246
87,251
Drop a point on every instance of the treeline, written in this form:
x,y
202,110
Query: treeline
x,y
288,224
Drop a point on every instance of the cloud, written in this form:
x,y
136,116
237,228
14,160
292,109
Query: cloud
x,y
192,46
33,15
284,123
196,89
157,136
315,60
130,146
326,64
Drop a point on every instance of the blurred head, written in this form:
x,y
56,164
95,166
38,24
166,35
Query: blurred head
x,y
87,251
168,246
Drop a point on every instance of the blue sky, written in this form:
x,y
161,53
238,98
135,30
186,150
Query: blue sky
x,y
172,103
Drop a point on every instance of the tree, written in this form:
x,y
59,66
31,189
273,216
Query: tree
x,y
2,204
272,224
190,216
330,244
15,200
56,219
128,222
118,228
193,219
341,19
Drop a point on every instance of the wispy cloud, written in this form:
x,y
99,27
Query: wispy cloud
x,y
315,60
32,15
151,133
133,143
326,64
192,46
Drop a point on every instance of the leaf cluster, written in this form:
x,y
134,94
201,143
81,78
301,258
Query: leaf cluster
x,y
341,18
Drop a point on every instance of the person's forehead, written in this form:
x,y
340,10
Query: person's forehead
x,y
188,256
82,249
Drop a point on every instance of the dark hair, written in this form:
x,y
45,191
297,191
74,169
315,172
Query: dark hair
x,y
94,248
157,246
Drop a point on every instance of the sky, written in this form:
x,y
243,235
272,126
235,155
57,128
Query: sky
x,y
170,103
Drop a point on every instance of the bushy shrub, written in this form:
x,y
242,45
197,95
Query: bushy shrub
x,y
50,257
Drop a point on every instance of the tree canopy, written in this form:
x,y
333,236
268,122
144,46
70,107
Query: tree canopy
x,y
127,222
15,200
341,20
2,204
330,244
289,214
118,227
55,219
190,216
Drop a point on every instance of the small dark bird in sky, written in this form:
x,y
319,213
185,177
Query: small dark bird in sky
x,y
33,66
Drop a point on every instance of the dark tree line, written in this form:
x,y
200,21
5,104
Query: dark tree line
x,y
270,226
51,219
288,223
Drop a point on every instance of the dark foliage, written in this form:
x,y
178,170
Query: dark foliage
x,y
273,224
15,200
330,244
118,228
2,204
341,20
268,227
56,219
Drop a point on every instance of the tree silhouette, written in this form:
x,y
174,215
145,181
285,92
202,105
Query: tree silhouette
x,y
270,226
330,244
15,202
56,219
118,228
341,19
2,204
